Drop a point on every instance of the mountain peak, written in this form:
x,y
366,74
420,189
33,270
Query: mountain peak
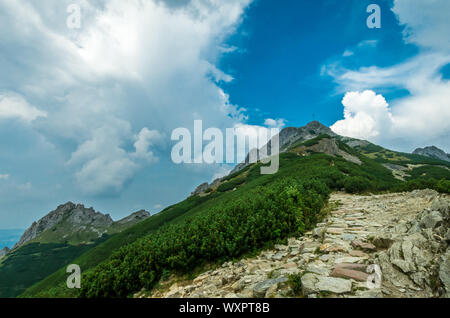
x,y
432,152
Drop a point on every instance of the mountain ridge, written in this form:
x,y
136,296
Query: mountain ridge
x,y
432,152
76,224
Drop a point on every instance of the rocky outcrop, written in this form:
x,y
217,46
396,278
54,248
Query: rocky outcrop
x,y
287,137
201,188
4,251
75,214
419,254
432,152
134,217
404,235
76,224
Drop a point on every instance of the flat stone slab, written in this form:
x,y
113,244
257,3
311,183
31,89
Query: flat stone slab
x,y
350,274
312,283
363,246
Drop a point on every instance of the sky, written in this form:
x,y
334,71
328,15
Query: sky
x,y
86,114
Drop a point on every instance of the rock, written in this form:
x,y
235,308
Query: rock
x,y
444,272
363,246
318,232
335,231
442,205
312,283
431,220
348,237
318,269
279,256
348,259
356,253
333,285
350,274
330,248
371,293
201,188
259,291
4,251
280,247
382,240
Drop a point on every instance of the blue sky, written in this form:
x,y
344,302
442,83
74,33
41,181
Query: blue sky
x,y
86,114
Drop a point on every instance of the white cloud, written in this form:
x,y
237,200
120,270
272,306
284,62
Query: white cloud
x,y
144,140
275,123
348,53
419,119
366,116
15,106
133,64
4,176
426,22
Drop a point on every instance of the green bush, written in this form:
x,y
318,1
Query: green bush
x,y
230,185
262,215
443,186
295,282
357,184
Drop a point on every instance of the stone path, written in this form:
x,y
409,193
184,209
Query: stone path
x,y
405,234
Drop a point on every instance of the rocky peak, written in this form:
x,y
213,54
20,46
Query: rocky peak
x,y
432,152
136,216
76,215
4,251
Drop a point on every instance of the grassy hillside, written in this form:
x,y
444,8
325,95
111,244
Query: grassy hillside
x,y
132,249
33,262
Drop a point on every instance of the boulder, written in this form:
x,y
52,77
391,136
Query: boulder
x,y
312,283
431,220
259,291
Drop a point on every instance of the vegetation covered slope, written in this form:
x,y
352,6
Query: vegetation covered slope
x,y
33,262
131,250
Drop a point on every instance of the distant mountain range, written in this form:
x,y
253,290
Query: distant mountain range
x,y
74,224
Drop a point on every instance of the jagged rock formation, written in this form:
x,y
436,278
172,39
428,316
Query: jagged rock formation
x,y
201,188
287,137
405,234
4,251
432,152
73,223
134,217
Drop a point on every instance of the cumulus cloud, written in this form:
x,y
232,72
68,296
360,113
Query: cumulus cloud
x,y
421,118
133,64
15,106
275,123
144,140
366,116
4,176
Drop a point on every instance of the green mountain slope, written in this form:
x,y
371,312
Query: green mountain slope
x,y
130,261
53,241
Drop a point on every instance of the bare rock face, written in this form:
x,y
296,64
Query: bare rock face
x,y
432,152
201,188
287,137
4,251
135,217
75,215
419,254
